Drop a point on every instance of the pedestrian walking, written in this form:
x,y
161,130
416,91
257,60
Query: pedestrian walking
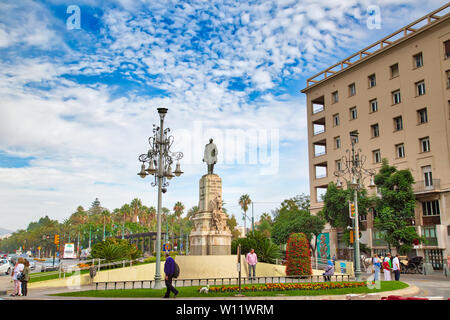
x,y
387,267
252,260
25,277
169,270
396,267
376,266
329,271
18,268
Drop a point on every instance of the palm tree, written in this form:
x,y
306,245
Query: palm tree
x,y
244,202
136,207
178,209
192,212
125,210
106,215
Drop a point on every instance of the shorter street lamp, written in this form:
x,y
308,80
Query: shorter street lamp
x,y
353,167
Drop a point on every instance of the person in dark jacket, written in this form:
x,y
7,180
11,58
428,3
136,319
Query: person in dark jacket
x,y
26,273
169,270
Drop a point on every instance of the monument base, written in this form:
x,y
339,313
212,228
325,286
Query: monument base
x,y
210,234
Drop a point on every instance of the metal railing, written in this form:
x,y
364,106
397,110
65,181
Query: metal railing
x,y
141,284
62,270
427,186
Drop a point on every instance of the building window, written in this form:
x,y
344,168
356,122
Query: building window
x,y
372,81
353,113
428,176
422,115
352,89
373,105
337,142
429,233
448,79
376,156
420,88
375,130
334,97
338,165
396,98
447,49
400,150
354,136
425,144
336,119
431,208
395,71
418,60
398,123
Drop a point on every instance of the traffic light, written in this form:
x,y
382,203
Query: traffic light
x,y
352,238
352,211
56,241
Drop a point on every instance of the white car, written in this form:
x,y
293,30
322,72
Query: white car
x,y
5,266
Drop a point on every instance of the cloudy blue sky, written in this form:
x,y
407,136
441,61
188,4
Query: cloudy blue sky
x,y
77,104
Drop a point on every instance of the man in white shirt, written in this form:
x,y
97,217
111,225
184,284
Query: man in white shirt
x,y
396,267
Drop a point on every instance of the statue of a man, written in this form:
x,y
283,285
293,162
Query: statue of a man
x,y
210,156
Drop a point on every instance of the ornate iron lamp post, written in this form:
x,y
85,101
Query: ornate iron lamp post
x,y
353,167
160,159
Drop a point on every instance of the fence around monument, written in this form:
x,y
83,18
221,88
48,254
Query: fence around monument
x,y
142,284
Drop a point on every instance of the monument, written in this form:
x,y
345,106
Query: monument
x,y
210,234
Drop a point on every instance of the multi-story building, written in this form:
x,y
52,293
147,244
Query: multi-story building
x,y
396,94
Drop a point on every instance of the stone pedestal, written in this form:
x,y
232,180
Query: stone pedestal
x,y
210,234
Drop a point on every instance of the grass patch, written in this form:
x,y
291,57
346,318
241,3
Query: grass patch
x,y
51,275
186,292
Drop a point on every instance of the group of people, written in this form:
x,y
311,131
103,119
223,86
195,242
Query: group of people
x,y
21,275
388,265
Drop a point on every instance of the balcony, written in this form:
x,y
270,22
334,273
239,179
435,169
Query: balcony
x,y
427,186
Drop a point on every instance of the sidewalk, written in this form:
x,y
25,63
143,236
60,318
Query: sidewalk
x,y
44,294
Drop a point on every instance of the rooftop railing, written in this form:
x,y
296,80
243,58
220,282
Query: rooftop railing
x,y
391,39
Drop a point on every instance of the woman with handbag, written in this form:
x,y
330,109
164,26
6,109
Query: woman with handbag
x,y
18,268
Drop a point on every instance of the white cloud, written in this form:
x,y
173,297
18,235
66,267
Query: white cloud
x,y
86,138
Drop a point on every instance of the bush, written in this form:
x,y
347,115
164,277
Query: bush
x,y
297,255
114,250
265,249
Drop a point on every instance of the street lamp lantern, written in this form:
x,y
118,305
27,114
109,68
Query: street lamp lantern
x,y
178,171
142,174
151,169
160,158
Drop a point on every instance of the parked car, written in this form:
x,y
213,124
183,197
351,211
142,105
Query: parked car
x,y
5,266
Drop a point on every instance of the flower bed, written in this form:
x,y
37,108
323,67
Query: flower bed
x,y
289,286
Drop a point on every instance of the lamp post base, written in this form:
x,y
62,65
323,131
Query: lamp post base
x,y
158,284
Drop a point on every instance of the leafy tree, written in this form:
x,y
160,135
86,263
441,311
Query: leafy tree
x,y
95,208
232,223
292,219
265,225
336,207
395,208
264,248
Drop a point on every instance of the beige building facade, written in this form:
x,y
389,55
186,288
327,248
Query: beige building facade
x,y
396,94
